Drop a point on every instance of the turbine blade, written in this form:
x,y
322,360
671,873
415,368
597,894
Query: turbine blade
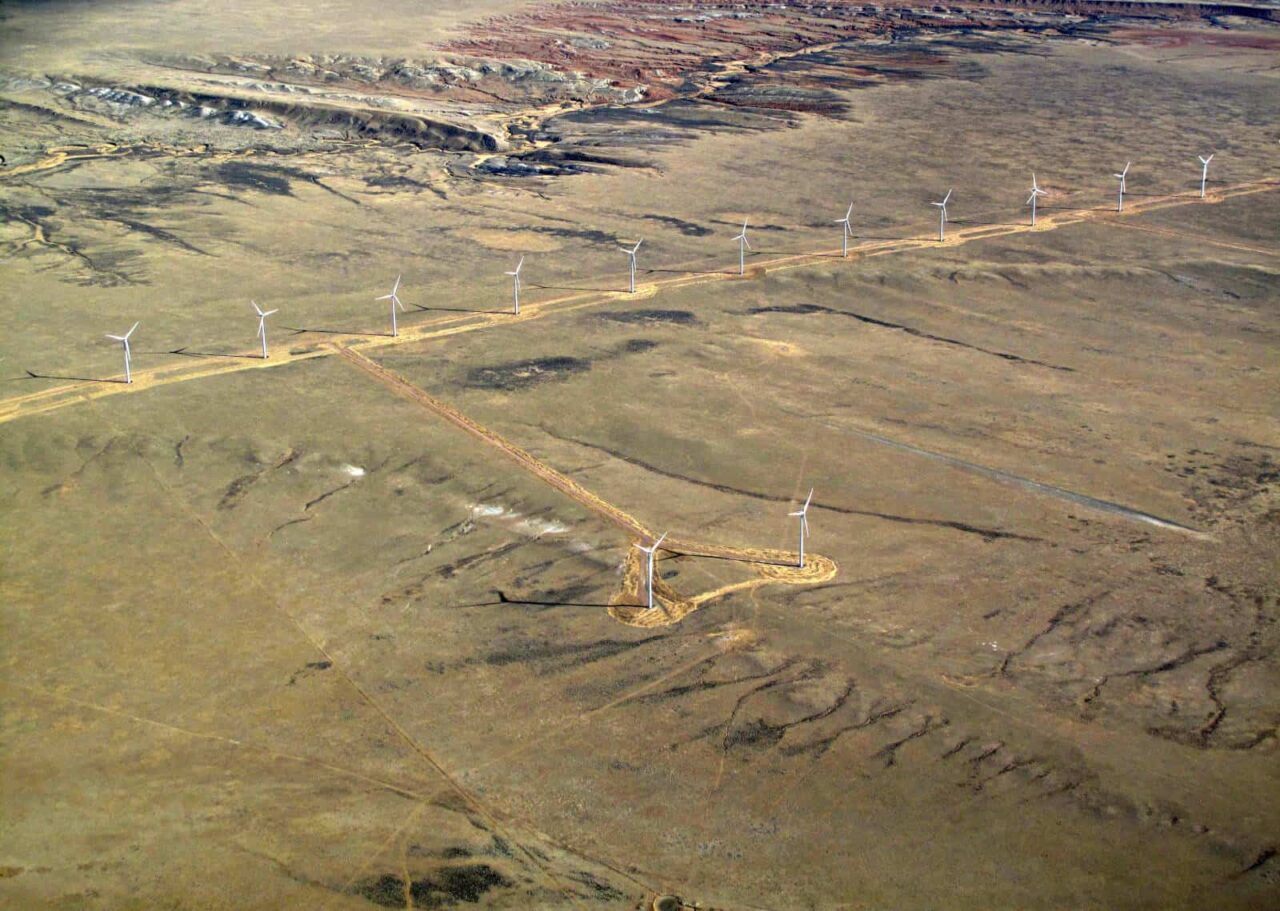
x,y
269,312
808,499
660,540
396,287
134,326
256,308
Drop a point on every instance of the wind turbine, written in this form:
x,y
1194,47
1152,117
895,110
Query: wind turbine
x,y
803,514
515,285
631,254
1031,200
394,297
649,552
262,325
743,246
1121,176
1204,172
128,359
942,219
847,232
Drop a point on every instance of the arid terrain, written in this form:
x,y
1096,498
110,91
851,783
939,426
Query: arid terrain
x,y
363,623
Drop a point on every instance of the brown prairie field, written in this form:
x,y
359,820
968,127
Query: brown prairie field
x,y
363,623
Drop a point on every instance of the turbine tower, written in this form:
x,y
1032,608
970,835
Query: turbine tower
x,y
515,286
1204,172
803,514
649,552
262,325
1121,177
128,359
942,218
631,255
1031,200
845,232
743,246
394,297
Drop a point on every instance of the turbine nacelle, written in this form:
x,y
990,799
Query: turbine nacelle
x,y
394,296
943,205
652,547
125,338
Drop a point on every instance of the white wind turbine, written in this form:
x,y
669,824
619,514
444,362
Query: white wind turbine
x,y
649,552
743,246
846,232
631,255
1204,172
1121,177
262,325
942,216
803,514
128,359
515,286
1035,193
394,297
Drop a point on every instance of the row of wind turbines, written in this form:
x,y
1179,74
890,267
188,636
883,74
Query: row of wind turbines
x,y
744,244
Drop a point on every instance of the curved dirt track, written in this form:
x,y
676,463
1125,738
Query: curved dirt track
x,y
771,566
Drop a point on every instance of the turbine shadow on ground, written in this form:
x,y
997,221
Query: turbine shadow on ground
x,y
619,289
185,353
527,602
300,330
975,223
32,375
423,309
696,271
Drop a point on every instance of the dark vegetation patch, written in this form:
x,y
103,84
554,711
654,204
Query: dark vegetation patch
x,y
638,345
249,176
599,889
677,317
517,375
310,668
568,654
467,883
687,228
